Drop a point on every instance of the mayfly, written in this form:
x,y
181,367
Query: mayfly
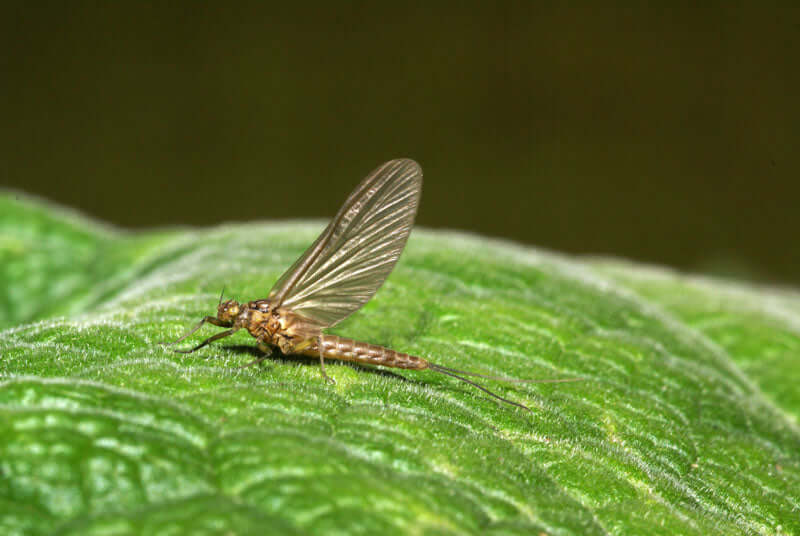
x,y
338,274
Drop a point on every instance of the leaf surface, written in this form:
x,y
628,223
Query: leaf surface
x,y
686,421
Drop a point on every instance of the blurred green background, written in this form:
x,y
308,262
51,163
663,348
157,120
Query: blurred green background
x,y
664,134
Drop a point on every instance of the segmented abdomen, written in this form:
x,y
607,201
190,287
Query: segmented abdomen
x,y
335,347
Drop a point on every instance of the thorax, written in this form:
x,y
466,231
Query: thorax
x,y
270,325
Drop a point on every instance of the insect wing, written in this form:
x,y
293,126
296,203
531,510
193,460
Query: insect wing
x,y
352,257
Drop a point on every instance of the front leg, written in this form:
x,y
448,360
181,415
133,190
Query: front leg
x,y
210,319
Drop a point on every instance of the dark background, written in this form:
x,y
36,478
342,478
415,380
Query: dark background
x,y
664,134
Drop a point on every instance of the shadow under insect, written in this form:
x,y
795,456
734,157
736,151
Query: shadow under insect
x,y
307,361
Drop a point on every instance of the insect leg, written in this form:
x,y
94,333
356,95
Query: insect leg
x,y
304,347
267,352
210,319
211,339
322,361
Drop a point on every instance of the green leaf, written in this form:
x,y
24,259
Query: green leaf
x,y
686,421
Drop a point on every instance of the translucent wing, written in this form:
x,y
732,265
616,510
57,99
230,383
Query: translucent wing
x,y
352,257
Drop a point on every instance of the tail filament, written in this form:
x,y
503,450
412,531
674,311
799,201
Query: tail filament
x,y
459,375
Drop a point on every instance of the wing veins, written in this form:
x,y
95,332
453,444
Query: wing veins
x,y
354,254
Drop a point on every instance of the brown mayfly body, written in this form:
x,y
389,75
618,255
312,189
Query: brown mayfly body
x,y
338,274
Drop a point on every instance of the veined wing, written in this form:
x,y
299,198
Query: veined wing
x,y
352,257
